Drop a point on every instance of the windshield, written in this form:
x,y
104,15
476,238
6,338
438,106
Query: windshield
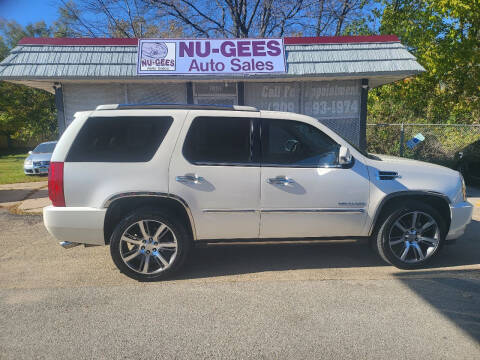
x,y
44,148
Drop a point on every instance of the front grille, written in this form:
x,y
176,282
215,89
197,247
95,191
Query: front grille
x,y
41,163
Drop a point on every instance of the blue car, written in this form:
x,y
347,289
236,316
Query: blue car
x,y
38,160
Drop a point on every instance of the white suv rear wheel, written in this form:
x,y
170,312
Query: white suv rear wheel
x,y
149,245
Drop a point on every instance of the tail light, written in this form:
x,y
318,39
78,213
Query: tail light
x,y
55,184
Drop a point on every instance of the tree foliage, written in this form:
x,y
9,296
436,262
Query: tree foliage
x,y
444,35
25,113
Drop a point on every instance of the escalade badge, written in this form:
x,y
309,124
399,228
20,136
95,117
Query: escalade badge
x,y
353,203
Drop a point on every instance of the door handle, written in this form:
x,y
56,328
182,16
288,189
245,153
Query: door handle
x,y
280,180
190,178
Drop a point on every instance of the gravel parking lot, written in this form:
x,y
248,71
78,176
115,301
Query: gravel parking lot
x,y
296,301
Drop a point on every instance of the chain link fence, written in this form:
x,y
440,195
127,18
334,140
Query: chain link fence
x,y
437,143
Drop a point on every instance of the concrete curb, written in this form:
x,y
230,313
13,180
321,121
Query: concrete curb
x,y
24,186
24,198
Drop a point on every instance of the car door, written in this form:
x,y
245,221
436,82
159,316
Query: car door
x,y
214,170
304,192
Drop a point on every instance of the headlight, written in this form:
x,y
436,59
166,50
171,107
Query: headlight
x,y
27,161
464,188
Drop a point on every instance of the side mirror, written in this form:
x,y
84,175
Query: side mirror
x,y
344,156
30,152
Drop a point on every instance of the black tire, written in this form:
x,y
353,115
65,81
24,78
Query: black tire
x,y
402,211
177,228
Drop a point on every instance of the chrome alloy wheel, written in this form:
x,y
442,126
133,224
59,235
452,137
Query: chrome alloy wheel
x,y
414,237
148,247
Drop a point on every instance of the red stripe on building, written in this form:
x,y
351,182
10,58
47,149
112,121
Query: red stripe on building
x,y
339,39
134,41
79,41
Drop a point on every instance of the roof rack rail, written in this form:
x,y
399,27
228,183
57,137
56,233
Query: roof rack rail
x,y
175,106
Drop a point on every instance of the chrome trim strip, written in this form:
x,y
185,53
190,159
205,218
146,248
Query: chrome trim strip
x,y
229,211
110,200
258,164
115,197
324,211
239,164
322,166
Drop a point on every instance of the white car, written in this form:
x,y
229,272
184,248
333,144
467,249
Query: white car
x,y
153,180
38,160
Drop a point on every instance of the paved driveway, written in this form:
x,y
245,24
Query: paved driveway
x,y
287,301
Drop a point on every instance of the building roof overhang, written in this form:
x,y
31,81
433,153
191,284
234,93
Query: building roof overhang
x,y
41,62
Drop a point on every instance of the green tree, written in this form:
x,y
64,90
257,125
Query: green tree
x,y
25,113
444,35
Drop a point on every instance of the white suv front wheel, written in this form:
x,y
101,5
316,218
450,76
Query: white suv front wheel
x,y
410,235
149,245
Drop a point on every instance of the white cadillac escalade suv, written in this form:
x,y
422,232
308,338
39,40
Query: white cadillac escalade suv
x,y
152,180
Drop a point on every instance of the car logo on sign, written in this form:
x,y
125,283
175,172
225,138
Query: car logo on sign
x,y
155,50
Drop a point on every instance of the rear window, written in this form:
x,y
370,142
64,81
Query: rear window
x,y
119,139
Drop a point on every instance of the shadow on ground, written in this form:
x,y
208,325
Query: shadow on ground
x,y
220,260
235,259
7,196
453,293
43,193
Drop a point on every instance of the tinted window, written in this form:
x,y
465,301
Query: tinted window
x,y
294,143
119,139
218,140
44,148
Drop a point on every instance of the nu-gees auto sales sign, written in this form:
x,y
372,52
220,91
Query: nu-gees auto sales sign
x,y
210,56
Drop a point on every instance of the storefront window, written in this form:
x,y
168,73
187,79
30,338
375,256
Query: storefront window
x,y
218,93
273,96
331,99
336,103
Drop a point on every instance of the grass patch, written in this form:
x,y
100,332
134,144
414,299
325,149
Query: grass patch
x,y
11,168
